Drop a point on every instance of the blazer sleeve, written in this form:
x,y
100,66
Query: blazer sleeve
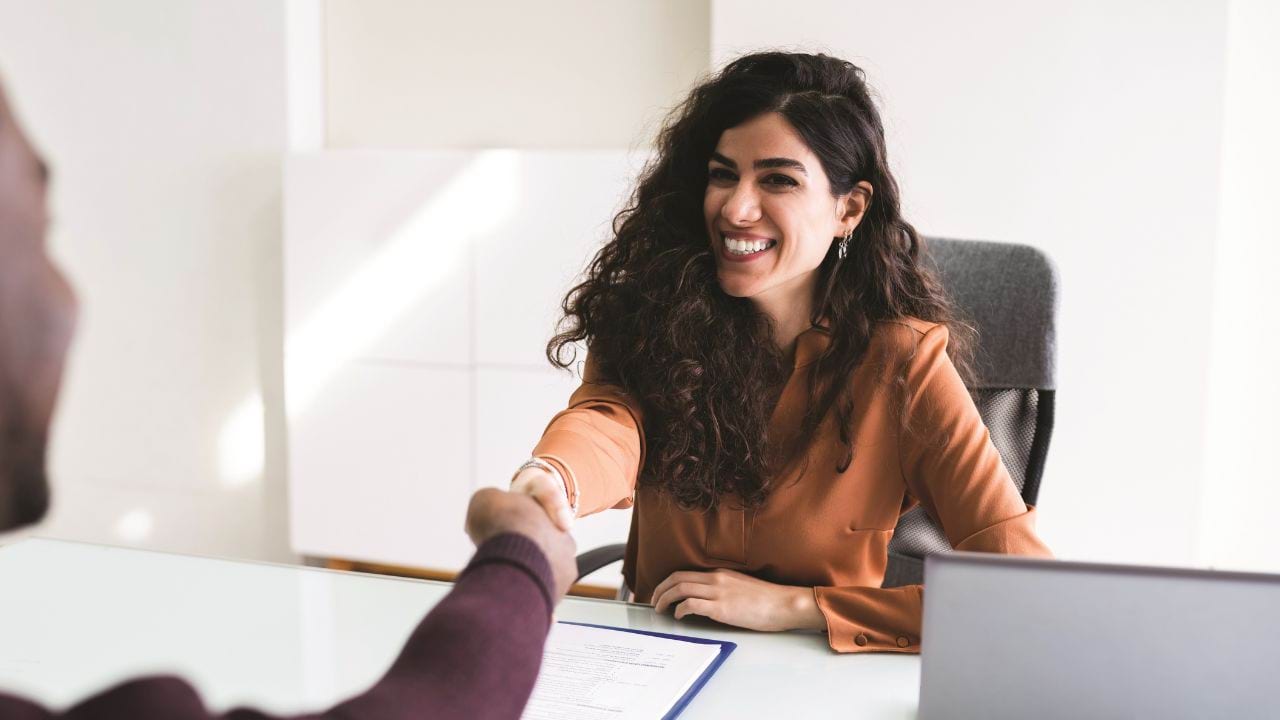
x,y
597,442
951,467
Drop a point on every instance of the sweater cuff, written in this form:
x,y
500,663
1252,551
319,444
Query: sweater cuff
x,y
517,550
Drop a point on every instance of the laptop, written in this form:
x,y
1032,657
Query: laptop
x,y
1011,637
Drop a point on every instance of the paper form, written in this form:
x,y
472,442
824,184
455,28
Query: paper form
x,y
590,673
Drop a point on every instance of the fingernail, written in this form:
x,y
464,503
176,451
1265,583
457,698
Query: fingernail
x,y
566,518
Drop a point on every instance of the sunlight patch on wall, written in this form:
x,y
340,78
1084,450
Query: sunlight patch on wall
x,y
242,443
432,244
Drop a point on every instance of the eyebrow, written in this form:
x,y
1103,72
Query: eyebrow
x,y
773,162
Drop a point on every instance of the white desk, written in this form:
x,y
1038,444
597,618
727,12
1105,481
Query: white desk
x,y
76,617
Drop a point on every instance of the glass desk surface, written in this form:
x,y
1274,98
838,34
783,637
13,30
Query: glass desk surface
x,y
76,618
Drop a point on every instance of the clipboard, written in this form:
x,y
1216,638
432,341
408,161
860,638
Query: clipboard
x,y
726,648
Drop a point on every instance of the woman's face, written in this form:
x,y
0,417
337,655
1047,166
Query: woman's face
x,y
769,211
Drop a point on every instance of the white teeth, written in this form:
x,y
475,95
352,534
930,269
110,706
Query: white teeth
x,y
746,247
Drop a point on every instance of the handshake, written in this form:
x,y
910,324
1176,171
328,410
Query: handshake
x,y
494,512
536,507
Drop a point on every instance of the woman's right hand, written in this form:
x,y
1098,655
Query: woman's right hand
x,y
549,492
493,512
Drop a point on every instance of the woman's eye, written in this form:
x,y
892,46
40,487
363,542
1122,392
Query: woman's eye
x,y
782,180
719,174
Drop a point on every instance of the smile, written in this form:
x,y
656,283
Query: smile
x,y
736,249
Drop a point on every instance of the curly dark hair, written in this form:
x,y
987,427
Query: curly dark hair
x,y
703,365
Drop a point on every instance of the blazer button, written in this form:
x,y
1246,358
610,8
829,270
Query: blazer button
x,y
903,642
861,640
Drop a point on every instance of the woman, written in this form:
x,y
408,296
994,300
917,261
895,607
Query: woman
x,y
772,377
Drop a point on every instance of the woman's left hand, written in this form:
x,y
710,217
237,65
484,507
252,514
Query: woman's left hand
x,y
733,598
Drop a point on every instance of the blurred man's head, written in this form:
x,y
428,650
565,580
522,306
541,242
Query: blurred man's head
x,y
37,314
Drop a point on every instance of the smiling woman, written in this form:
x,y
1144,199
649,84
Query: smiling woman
x,y
773,377
778,199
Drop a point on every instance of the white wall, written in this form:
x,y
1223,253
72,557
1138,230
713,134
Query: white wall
x,y
550,74
1092,130
165,125
1242,481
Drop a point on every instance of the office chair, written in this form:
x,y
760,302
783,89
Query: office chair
x,y
1010,295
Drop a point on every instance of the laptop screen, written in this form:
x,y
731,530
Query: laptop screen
x,y
1010,637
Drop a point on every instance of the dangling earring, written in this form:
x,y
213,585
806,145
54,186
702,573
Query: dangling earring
x,y
844,245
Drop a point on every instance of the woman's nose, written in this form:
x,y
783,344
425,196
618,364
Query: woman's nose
x,y
743,206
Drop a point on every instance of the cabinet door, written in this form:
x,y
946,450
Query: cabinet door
x,y
420,291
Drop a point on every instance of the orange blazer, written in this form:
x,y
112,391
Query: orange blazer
x,y
821,529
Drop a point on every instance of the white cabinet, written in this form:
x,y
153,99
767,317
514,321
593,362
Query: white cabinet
x,y
420,291
381,462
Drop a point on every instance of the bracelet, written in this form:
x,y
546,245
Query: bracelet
x,y
541,464
575,493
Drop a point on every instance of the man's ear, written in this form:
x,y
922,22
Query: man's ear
x,y
854,205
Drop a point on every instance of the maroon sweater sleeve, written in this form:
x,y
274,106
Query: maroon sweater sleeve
x,y
475,655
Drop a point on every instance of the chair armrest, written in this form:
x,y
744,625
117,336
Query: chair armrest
x,y
596,558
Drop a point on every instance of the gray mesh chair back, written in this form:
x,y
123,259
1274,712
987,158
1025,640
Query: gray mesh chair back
x,y
1009,293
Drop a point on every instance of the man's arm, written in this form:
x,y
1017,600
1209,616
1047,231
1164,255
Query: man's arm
x,y
475,655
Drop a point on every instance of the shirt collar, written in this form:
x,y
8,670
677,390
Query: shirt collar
x,y
811,343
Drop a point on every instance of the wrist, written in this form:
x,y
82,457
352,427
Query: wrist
x,y
803,610
565,483
529,474
564,475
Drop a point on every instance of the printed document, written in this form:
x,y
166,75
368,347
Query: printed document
x,y
590,673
